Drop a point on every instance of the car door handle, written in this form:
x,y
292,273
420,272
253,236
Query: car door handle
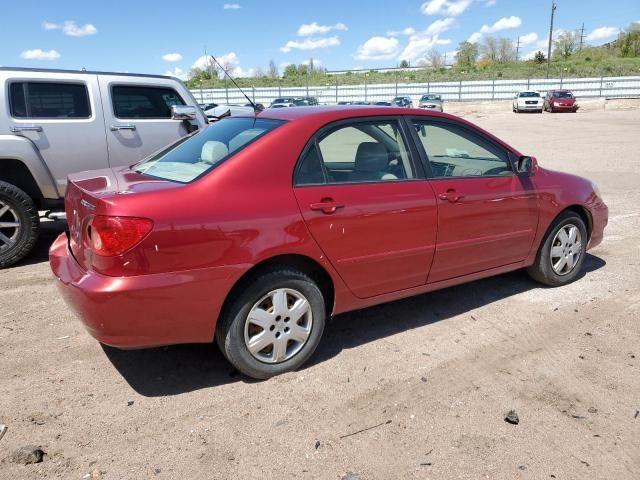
x,y
25,128
451,195
326,205
126,126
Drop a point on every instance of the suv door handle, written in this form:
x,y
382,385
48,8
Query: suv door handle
x,y
25,128
126,126
327,205
451,195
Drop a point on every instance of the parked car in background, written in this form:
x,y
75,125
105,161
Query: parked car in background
x,y
431,101
345,102
283,102
383,104
56,122
403,101
220,111
361,102
207,106
560,101
258,229
527,101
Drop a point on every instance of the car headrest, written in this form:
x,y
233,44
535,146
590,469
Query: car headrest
x,y
213,151
371,157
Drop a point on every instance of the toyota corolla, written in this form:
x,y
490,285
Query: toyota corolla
x,y
255,231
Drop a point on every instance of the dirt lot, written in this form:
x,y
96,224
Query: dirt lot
x,y
434,374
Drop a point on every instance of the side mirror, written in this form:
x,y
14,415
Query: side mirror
x,y
527,165
183,112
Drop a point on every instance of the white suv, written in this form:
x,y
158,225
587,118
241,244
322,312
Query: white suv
x,y
527,101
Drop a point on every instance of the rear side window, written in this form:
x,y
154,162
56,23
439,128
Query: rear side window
x,y
49,100
193,156
144,102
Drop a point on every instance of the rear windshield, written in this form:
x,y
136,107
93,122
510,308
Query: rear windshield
x,y
529,94
193,156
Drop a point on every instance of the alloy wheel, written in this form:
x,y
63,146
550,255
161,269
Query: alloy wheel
x,y
10,226
566,249
278,325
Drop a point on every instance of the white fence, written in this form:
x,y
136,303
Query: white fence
x,y
451,91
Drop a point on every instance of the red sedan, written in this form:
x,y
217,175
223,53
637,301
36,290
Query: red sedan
x,y
560,101
257,229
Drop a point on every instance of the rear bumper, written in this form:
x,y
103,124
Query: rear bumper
x,y
146,310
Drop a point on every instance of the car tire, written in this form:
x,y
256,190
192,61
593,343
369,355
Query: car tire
x,y
544,270
257,302
19,224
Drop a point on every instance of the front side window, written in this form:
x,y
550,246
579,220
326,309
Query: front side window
x,y
49,100
457,152
191,157
357,152
144,102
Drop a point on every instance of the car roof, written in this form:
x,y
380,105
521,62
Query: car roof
x,y
338,112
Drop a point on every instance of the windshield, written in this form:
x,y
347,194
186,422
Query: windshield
x,y
431,97
529,94
191,157
562,95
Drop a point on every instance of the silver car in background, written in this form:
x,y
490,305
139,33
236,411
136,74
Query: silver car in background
x,y
431,101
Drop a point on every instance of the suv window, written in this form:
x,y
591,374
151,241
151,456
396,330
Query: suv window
x,y
144,102
457,152
49,100
359,152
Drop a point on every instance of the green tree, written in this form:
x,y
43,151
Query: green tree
x,y
565,44
467,54
630,41
404,64
539,57
290,71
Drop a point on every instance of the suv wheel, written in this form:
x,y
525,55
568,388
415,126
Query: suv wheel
x,y
19,224
274,325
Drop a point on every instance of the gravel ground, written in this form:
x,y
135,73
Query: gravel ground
x,y
435,375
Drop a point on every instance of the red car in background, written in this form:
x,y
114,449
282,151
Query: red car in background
x,y
257,229
560,101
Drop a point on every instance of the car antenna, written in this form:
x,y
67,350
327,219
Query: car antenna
x,y
256,109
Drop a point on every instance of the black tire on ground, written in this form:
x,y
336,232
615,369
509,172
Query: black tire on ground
x,y
16,207
230,332
542,269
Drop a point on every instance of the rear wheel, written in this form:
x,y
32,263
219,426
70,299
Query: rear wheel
x,y
274,325
19,224
562,252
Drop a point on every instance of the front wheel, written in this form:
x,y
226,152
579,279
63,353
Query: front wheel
x,y
19,224
562,252
274,325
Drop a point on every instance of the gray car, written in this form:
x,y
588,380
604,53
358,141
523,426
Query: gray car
x,y
431,101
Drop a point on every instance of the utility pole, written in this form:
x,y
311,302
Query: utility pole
x,y
581,36
445,59
518,49
553,11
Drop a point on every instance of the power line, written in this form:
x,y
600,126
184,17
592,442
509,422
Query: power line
x,y
553,11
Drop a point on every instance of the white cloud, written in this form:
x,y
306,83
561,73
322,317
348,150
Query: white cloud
x,y
531,54
310,44
308,29
602,33
529,38
445,7
228,60
504,23
406,31
439,26
178,73
231,6
172,57
489,3
419,45
38,54
378,48
71,29
474,37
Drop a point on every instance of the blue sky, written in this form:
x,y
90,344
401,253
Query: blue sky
x,y
161,36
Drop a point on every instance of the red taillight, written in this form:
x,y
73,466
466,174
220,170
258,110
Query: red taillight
x,y
111,236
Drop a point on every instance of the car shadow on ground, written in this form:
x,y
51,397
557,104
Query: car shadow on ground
x,y
49,231
183,368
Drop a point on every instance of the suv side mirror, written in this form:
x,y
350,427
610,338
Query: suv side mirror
x,y
183,112
527,165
